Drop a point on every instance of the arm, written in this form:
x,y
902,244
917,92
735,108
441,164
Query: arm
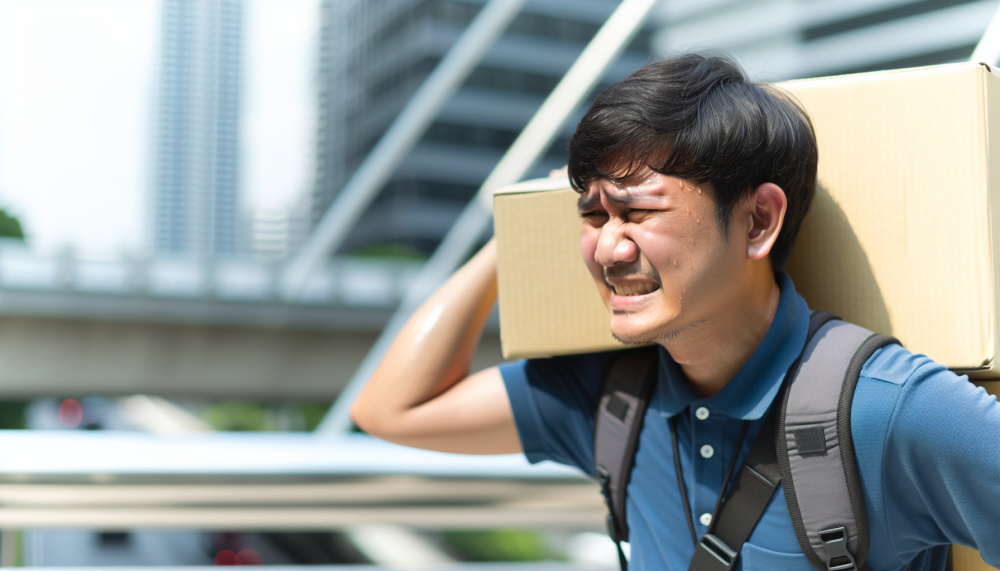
x,y
422,395
941,476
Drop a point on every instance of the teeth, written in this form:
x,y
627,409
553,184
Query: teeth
x,y
636,289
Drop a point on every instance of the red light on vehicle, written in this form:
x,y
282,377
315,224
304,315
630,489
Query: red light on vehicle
x,y
244,557
227,557
70,413
250,557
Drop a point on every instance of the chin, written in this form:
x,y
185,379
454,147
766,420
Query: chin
x,y
631,330
636,335
632,340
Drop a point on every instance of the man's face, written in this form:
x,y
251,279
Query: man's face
x,y
658,256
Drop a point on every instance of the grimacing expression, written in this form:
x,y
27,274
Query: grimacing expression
x,y
657,254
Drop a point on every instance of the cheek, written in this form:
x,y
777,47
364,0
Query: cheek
x,y
588,244
662,240
589,238
674,245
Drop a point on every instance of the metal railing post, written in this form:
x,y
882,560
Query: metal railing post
x,y
988,48
364,185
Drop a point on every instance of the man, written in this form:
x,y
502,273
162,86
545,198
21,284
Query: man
x,y
693,182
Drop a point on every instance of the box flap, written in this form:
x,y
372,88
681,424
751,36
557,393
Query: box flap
x,y
534,185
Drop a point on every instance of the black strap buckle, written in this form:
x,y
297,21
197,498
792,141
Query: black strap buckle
x,y
613,530
838,558
605,479
712,554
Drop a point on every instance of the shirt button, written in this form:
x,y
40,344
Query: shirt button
x,y
705,519
701,413
707,451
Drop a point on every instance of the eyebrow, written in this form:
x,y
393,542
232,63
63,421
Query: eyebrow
x,y
589,200
586,201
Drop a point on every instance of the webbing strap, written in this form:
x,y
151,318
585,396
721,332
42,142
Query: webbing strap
x,y
624,399
755,484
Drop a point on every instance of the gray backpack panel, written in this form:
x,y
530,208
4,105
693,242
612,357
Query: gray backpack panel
x,y
815,451
625,392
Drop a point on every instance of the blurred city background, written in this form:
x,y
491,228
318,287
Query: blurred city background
x,y
196,264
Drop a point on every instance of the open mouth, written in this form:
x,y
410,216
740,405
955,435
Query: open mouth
x,y
636,289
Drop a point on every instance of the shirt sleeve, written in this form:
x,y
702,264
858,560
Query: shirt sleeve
x,y
553,402
940,469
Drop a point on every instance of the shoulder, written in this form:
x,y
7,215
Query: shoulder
x,y
553,401
919,432
578,373
921,414
911,414
923,386
897,365
909,391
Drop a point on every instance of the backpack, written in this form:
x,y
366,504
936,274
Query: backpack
x,y
807,430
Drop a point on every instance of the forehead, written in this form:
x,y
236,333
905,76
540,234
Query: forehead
x,y
643,188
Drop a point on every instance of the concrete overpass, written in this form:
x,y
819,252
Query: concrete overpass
x,y
213,328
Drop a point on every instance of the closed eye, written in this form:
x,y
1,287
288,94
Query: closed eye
x,y
637,214
594,217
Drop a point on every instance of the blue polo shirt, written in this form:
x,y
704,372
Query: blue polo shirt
x,y
927,443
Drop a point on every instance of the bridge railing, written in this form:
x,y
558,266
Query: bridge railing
x,y
350,281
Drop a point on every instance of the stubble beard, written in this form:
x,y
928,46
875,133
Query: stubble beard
x,y
658,338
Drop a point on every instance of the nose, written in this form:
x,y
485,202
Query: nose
x,y
614,246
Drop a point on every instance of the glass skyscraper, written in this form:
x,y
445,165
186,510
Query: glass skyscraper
x,y
196,186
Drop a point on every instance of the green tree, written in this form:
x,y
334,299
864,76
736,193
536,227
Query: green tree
x,y
11,412
10,226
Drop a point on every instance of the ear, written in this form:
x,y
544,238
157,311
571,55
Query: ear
x,y
766,207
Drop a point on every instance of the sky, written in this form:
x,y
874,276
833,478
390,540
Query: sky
x,y
77,95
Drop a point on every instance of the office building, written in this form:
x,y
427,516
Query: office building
x,y
375,54
196,182
788,39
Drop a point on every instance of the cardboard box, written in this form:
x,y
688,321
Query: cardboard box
x,y
902,237
548,303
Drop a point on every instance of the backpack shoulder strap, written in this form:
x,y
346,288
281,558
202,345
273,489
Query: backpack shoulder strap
x,y
624,397
815,452
805,446
752,489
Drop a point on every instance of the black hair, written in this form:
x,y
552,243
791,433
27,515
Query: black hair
x,y
700,118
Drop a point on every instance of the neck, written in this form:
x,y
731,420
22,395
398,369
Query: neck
x,y
711,354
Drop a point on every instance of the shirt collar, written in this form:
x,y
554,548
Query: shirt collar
x,y
750,392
